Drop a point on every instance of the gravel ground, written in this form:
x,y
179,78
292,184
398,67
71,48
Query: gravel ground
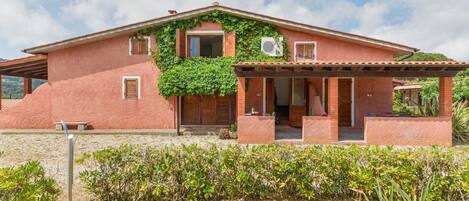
x,y
50,150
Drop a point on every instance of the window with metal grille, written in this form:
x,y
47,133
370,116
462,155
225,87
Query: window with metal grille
x,y
305,51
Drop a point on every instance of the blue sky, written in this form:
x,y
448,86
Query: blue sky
x,y
430,25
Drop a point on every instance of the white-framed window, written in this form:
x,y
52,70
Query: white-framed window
x,y
205,43
140,45
305,51
131,87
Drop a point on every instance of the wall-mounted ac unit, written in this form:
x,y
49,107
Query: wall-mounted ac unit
x,y
272,47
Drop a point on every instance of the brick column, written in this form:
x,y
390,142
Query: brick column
x,y
446,96
241,97
230,44
333,107
27,85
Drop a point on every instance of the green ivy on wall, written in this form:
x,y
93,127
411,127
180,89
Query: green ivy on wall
x,y
209,76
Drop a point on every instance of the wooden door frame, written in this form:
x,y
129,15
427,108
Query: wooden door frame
x,y
352,102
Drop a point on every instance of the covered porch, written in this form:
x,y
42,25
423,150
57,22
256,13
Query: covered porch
x,y
33,67
337,102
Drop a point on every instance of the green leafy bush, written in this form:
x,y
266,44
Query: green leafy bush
x,y
27,182
272,172
460,119
199,76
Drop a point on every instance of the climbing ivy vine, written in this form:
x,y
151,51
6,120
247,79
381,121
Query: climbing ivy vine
x,y
208,76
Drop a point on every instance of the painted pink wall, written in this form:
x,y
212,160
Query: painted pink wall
x,y
33,111
208,26
256,129
85,84
329,49
318,130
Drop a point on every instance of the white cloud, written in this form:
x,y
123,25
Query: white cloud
x,y
433,26
101,14
24,23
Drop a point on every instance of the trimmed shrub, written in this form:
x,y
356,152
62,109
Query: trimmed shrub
x,y
27,182
273,172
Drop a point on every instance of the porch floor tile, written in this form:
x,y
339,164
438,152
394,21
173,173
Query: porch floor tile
x,y
285,132
351,134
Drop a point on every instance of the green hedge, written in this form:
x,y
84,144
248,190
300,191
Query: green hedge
x,y
27,182
273,172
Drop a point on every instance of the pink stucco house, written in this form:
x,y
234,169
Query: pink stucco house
x,y
337,87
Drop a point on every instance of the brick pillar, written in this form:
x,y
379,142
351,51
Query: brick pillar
x,y
230,44
180,43
446,96
27,85
241,97
333,107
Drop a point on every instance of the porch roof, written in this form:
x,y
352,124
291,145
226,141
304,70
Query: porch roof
x,y
29,67
350,69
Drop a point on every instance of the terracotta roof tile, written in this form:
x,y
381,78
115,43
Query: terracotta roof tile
x,y
356,63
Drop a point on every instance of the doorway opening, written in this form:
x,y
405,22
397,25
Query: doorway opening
x,y
281,100
347,129
282,103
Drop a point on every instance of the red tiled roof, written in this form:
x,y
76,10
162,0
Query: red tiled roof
x,y
398,48
357,63
351,68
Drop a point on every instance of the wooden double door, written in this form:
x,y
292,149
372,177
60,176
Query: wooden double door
x,y
208,110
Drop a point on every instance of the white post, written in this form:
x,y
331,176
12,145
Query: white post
x,y
70,160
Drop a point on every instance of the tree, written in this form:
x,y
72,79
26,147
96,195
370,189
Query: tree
x,y
430,85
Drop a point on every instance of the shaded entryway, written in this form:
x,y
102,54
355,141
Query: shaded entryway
x,y
286,132
351,134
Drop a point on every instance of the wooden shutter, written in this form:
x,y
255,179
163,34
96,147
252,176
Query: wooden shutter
x,y
139,46
224,110
143,45
134,46
131,89
180,43
191,110
209,110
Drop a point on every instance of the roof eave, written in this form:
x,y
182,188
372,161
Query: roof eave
x,y
397,48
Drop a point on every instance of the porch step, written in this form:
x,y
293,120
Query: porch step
x,y
362,142
289,141
190,130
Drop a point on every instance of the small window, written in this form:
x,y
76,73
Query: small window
x,y
139,45
305,51
210,46
131,88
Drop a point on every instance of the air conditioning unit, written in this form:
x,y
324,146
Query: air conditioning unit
x,y
272,47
